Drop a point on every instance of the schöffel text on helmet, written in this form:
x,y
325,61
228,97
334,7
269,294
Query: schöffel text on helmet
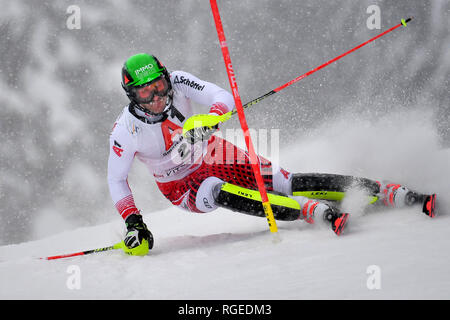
x,y
188,82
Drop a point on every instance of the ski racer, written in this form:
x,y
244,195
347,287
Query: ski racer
x,y
200,171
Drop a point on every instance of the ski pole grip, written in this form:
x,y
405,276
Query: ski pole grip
x,y
404,22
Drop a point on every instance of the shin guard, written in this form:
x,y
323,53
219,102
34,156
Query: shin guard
x,y
249,201
331,186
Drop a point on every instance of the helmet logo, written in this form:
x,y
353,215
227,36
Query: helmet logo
x,y
142,69
125,78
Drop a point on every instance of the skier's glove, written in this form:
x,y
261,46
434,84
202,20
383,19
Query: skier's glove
x,y
137,232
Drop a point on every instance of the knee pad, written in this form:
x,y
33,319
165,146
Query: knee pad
x,y
204,200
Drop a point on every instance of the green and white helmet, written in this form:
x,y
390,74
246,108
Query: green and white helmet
x,y
141,70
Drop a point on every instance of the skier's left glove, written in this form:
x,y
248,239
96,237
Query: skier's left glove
x,y
137,233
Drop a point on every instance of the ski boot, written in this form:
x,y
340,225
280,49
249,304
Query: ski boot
x,y
428,202
395,195
311,209
337,220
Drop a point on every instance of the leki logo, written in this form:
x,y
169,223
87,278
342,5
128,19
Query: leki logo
x,y
142,69
245,194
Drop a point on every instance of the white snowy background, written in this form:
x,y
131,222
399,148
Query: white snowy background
x,y
382,113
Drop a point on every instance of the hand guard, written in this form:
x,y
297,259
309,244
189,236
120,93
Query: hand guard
x,y
137,232
200,134
202,126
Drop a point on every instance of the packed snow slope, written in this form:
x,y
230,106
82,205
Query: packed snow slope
x,y
226,255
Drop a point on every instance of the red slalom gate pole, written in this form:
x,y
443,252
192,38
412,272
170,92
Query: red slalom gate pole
x,y
254,160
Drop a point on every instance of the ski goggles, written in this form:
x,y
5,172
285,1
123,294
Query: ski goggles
x,y
146,93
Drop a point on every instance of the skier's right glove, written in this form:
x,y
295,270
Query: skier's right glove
x,y
137,233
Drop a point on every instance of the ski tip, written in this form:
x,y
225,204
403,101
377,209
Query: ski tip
x,y
429,205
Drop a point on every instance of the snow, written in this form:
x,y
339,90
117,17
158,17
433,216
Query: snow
x,y
226,255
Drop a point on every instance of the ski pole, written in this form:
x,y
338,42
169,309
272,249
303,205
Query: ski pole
x,y
216,120
119,245
237,99
254,101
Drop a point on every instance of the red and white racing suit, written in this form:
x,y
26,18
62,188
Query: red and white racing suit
x,y
185,173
